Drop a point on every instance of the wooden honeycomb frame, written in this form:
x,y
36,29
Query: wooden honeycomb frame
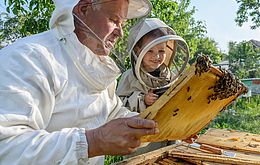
x,y
185,108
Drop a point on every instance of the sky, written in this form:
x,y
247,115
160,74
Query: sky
x,y
219,17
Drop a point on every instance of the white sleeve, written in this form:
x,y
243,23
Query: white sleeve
x,y
118,110
27,95
131,92
30,146
135,101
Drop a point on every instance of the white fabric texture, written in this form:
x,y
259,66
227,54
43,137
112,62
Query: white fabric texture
x,y
52,88
142,28
131,91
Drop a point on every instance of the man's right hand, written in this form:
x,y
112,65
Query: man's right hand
x,y
119,136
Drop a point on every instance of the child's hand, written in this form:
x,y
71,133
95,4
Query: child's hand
x,y
150,98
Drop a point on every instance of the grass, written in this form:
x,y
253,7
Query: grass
x,y
242,115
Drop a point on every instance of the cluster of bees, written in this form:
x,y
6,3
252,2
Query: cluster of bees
x,y
203,64
227,85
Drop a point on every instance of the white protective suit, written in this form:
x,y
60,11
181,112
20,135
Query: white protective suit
x,y
52,88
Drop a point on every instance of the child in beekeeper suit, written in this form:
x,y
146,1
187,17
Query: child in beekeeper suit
x,y
158,57
153,47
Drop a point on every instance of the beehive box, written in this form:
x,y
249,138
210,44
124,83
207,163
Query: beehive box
x,y
184,154
192,101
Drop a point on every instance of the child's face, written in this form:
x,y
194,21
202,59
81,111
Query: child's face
x,y
155,57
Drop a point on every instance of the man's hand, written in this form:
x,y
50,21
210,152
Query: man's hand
x,y
119,136
150,98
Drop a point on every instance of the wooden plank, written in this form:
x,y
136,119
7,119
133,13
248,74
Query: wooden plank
x,y
195,156
239,154
232,140
213,158
200,162
150,157
168,160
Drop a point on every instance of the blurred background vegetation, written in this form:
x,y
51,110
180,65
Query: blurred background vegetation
x,y
26,17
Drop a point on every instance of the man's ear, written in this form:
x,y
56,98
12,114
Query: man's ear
x,y
82,7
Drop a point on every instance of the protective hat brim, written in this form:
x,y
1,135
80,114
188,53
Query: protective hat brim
x,y
138,8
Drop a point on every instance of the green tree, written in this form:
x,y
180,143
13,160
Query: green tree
x,y
248,10
244,59
208,46
10,28
177,15
35,14
24,18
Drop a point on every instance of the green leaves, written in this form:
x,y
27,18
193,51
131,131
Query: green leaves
x,y
208,47
32,16
248,10
244,59
112,159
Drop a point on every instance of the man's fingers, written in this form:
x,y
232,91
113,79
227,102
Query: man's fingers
x,y
141,127
136,122
137,133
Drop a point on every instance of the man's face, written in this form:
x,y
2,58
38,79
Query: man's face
x,y
105,18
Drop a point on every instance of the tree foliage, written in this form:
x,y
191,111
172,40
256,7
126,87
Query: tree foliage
x,y
24,18
244,59
36,14
181,19
208,47
10,28
248,10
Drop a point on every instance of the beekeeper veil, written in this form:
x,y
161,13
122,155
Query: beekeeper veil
x,y
176,53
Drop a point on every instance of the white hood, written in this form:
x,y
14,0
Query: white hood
x,y
62,15
176,49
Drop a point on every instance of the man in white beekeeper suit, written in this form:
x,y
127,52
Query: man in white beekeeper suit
x,y
57,89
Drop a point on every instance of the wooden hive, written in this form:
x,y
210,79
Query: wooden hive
x,y
184,154
192,101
